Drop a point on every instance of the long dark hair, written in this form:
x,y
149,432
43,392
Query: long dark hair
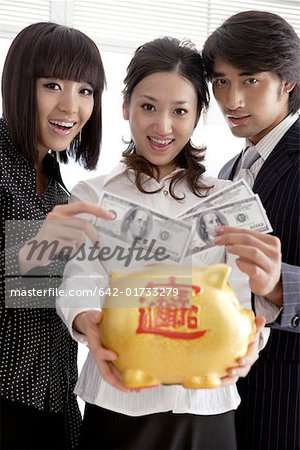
x,y
257,41
47,49
169,54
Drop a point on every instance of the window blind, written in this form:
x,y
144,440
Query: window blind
x,y
120,25
219,10
126,24
123,25
15,15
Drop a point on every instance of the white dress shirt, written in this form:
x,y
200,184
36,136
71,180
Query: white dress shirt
x,y
82,275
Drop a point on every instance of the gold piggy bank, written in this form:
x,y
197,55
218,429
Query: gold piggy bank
x,y
170,324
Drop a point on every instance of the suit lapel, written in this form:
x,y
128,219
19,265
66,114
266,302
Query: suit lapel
x,y
279,162
281,159
227,172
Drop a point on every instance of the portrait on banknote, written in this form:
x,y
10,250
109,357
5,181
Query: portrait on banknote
x,y
137,223
206,223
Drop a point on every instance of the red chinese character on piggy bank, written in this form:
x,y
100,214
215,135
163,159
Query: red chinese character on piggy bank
x,y
172,324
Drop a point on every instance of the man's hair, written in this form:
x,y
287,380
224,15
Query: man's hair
x,y
257,41
49,50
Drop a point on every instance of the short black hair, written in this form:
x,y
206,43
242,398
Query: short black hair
x,y
257,41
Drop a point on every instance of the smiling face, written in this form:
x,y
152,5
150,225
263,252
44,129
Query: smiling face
x,y
162,116
252,104
63,108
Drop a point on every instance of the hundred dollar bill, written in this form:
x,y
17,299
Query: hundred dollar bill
x,y
136,225
248,213
234,192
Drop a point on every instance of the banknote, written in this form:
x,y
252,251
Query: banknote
x,y
247,213
135,224
234,192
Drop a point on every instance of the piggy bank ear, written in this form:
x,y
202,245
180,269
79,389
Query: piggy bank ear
x,y
217,275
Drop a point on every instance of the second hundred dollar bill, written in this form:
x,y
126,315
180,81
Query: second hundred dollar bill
x,y
148,228
239,190
248,213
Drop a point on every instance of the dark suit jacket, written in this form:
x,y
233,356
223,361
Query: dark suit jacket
x,y
268,417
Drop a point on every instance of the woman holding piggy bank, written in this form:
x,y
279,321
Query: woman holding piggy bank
x,y
165,93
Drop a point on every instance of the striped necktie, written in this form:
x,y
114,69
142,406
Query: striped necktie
x,y
249,156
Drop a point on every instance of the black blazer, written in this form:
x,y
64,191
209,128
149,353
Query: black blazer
x,y
268,416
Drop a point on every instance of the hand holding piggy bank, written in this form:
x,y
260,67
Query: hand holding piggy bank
x,y
172,324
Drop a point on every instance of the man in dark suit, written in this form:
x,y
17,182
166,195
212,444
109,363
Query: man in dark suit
x,y
253,61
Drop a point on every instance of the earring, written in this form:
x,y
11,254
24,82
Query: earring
x,y
130,145
131,148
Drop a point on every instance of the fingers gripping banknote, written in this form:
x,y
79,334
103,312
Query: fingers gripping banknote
x,y
247,213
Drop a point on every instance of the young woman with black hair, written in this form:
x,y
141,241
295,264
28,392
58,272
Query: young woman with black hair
x,y
52,85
